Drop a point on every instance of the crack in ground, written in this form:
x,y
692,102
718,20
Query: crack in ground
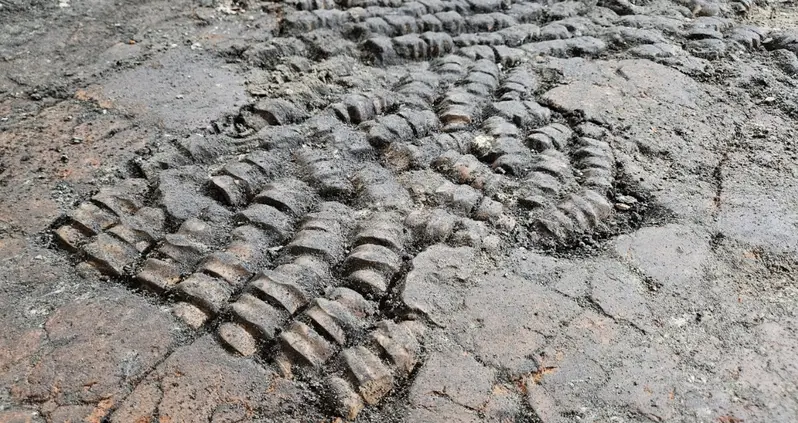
x,y
590,303
143,377
717,176
651,284
717,171
443,394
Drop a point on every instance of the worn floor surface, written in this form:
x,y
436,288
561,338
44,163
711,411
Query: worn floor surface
x,y
395,211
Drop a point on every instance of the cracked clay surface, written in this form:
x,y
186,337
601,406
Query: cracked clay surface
x,y
398,211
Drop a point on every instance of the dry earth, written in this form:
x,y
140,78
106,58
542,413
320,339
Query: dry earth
x,y
394,211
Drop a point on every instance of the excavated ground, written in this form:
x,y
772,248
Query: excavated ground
x,y
395,211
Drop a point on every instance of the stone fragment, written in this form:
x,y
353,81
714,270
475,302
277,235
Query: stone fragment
x,y
260,316
205,291
302,342
346,402
190,314
372,377
158,275
70,237
111,254
238,339
92,219
280,289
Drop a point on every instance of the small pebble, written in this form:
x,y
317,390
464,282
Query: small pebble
x,y
622,206
491,243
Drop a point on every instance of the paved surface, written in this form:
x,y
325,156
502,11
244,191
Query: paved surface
x,y
387,211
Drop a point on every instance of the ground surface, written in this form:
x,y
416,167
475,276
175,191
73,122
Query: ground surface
x,y
432,211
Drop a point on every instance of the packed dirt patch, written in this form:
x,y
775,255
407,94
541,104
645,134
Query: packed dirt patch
x,y
480,210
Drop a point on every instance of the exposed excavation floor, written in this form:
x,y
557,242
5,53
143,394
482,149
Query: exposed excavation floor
x,y
394,211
